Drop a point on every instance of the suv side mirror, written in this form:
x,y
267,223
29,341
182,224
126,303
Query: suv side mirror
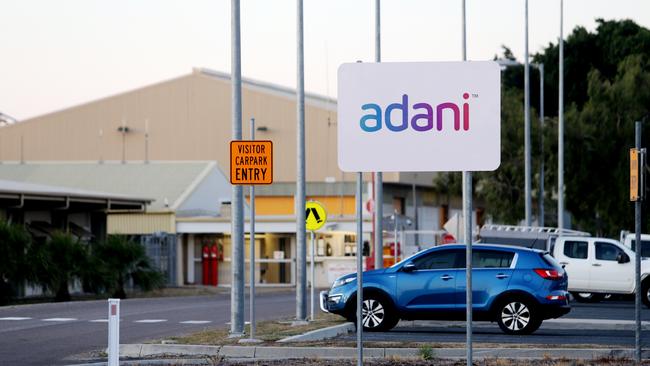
x,y
409,267
622,258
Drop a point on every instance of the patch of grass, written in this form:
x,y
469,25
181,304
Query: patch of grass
x,y
267,331
427,353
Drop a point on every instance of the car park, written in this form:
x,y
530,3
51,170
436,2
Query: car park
x,y
514,286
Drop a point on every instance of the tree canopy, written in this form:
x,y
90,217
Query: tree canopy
x,y
607,89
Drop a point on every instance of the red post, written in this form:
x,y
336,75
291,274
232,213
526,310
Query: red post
x,y
214,275
206,265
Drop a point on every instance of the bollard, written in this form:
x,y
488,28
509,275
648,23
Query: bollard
x,y
113,332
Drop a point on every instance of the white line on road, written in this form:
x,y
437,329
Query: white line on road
x,y
99,321
150,321
196,322
59,319
15,318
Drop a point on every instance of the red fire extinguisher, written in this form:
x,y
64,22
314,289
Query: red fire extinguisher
x,y
214,275
206,265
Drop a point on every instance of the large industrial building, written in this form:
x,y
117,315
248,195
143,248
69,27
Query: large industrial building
x,y
170,142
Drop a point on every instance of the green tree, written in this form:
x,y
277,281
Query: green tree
x,y
119,260
15,269
607,88
58,261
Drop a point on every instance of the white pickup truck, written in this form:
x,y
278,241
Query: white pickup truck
x,y
599,266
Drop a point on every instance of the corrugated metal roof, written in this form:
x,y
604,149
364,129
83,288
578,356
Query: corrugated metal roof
x,y
14,187
165,182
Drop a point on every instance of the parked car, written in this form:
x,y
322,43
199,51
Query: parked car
x,y
516,287
600,266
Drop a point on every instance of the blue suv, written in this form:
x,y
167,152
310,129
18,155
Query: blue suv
x,y
516,287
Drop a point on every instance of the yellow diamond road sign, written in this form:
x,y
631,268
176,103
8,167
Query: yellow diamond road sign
x,y
315,216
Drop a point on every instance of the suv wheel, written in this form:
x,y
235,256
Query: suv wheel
x,y
518,316
377,313
645,292
587,297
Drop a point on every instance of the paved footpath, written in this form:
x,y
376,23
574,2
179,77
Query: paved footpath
x,y
45,334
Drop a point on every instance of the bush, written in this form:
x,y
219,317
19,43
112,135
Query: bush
x,y
15,269
117,261
58,261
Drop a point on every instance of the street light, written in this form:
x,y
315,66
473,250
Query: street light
x,y
505,63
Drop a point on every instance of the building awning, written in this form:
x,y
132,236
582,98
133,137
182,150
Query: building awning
x,y
28,196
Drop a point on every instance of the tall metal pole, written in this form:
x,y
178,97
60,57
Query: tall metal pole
x,y
312,276
379,177
359,270
301,250
527,168
237,219
541,144
467,221
251,274
560,135
637,257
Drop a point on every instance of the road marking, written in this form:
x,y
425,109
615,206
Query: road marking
x,y
245,323
150,321
59,319
15,318
99,321
196,322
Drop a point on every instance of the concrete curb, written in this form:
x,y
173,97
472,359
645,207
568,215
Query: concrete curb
x,y
560,323
277,352
320,334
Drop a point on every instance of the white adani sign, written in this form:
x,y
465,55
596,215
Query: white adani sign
x,y
419,116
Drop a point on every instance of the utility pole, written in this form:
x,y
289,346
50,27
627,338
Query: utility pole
x,y
560,135
301,243
527,168
541,144
379,176
467,221
237,218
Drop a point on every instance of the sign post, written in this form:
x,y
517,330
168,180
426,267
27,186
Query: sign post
x,y
420,117
315,218
113,332
251,163
637,194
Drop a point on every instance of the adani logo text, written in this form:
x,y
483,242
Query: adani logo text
x,y
423,116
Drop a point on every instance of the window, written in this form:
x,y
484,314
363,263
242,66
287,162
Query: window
x,y
576,249
606,251
492,259
645,247
439,259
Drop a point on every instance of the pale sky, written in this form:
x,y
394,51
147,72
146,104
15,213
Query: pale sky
x,y
56,54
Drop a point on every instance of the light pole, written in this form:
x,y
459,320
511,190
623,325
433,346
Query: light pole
x,y
540,219
379,179
301,240
527,169
540,66
560,134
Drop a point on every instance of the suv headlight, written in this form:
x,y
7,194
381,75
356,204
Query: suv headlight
x,y
343,281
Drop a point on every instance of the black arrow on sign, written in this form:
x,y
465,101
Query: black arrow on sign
x,y
316,215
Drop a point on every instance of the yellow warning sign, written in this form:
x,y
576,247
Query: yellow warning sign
x,y
315,215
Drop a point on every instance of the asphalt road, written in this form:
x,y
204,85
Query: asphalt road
x,y
546,334
45,334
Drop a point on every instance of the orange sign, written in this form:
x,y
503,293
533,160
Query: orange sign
x,y
634,175
251,162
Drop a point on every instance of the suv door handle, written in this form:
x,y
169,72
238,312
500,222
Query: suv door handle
x,y
596,264
446,277
502,276
564,263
